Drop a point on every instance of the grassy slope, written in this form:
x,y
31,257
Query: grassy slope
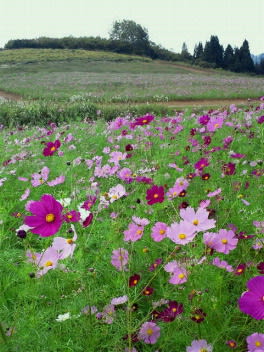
x,y
109,77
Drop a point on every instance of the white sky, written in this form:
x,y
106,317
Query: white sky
x,y
169,22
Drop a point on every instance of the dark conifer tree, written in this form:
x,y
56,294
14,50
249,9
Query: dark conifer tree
x,y
246,62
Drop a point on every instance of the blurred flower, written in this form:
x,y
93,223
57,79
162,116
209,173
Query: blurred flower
x,y
149,332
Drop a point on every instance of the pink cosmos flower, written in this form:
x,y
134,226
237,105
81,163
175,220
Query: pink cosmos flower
x,y
222,264
116,157
255,342
39,178
134,232
155,194
48,260
149,332
125,175
215,123
120,259
159,231
119,300
225,241
252,301
199,346
140,221
65,246
178,273
57,181
214,193
51,148
174,191
181,233
47,216
198,219
116,192
25,194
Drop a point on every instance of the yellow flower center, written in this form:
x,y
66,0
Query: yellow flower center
x,y
69,216
69,241
48,263
216,125
139,232
53,149
147,292
114,196
174,194
224,241
18,215
195,222
41,180
181,276
135,282
203,350
239,270
161,232
145,121
174,310
34,257
120,258
182,236
258,343
149,332
50,217
119,158
155,195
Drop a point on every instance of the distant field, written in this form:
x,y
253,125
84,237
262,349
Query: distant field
x,y
70,75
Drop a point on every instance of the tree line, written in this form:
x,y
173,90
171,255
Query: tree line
x,y
128,37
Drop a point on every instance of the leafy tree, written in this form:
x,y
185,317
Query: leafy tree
x,y
131,32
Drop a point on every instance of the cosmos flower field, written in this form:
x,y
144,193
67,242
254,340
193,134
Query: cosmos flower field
x,y
140,234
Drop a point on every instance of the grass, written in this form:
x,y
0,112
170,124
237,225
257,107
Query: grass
x,y
30,306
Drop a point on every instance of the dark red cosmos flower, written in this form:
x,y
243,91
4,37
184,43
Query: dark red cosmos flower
x,y
191,175
231,343
169,314
203,162
155,264
207,140
182,193
88,220
133,280
259,172
206,177
260,268
240,269
193,131
155,194
143,120
51,148
229,169
148,291
183,205
198,315
129,147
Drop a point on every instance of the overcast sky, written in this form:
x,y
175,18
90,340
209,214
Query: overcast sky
x,y
169,22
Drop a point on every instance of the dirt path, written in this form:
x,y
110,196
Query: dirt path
x,y
172,103
10,96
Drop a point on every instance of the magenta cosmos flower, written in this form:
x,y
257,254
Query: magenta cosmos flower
x,y
47,216
252,301
155,194
51,148
255,342
149,332
199,346
203,162
198,219
143,120
181,233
